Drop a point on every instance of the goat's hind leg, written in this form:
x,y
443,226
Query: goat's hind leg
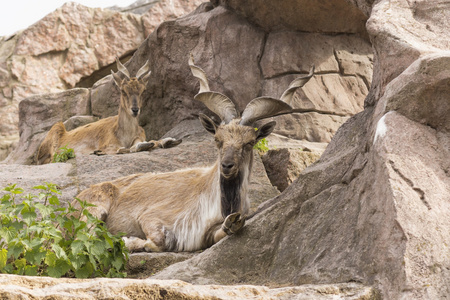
x,y
155,236
50,144
135,244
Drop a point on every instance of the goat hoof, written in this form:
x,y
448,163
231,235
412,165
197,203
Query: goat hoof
x,y
149,246
233,223
170,142
98,152
144,146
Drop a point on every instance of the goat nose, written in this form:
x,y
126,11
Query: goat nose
x,y
135,110
227,165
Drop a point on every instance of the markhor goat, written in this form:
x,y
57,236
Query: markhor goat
x,y
191,209
117,134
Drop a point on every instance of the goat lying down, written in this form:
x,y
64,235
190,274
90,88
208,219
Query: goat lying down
x,y
117,134
190,209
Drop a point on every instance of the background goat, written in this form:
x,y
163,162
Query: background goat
x,y
117,134
190,209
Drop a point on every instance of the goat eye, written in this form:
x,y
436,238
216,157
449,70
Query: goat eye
x,y
218,143
248,146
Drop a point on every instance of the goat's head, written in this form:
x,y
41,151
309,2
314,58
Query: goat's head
x,y
235,142
131,88
236,135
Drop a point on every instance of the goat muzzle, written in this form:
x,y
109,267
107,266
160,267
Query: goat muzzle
x,y
135,111
228,166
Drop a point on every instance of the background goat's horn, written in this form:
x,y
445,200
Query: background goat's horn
x,y
262,108
199,74
297,83
143,69
122,68
219,104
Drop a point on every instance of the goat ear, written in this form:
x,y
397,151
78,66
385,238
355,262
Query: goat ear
x,y
117,79
265,130
209,124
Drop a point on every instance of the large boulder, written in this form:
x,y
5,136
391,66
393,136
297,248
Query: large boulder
x,y
284,165
244,61
375,207
302,15
40,288
37,114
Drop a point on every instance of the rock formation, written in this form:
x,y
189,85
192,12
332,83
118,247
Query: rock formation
x,y
243,61
375,208
372,212
40,288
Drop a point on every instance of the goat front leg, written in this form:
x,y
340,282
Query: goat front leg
x,y
232,224
150,145
169,142
143,146
138,147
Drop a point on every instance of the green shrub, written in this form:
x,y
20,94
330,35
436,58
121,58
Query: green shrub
x,y
262,146
63,154
46,239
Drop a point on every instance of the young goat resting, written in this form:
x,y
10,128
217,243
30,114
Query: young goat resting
x,y
190,209
117,134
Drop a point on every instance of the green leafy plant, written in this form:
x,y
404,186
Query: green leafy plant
x,y
262,146
41,237
63,154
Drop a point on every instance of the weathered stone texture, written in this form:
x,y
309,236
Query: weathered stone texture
x,y
16,287
302,15
283,166
375,206
244,62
